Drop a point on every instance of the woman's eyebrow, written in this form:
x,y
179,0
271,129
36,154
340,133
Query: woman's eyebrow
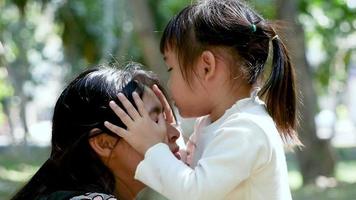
x,y
156,110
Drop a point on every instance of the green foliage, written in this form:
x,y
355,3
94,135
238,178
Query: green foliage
x,y
5,90
81,32
331,23
164,10
85,33
265,7
18,31
342,192
85,29
96,31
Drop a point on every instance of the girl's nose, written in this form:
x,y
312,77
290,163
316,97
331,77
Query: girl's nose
x,y
172,133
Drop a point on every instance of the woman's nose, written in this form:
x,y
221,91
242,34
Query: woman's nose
x,y
169,84
172,133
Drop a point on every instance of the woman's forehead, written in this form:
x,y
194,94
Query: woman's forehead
x,y
151,101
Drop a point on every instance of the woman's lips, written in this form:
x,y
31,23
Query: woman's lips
x,y
176,153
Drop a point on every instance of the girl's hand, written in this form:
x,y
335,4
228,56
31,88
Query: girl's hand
x,y
142,132
168,113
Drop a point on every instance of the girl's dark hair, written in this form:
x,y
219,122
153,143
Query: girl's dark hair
x,y
235,27
83,105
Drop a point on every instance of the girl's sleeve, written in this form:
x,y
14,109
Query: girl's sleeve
x,y
239,148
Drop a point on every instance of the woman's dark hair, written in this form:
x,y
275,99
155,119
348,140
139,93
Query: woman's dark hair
x,y
238,29
83,105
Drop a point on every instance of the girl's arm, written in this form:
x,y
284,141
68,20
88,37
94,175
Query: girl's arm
x,y
230,158
238,148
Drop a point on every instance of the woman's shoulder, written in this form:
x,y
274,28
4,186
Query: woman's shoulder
x,y
77,195
94,196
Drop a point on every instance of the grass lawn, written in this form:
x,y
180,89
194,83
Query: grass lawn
x,y
344,184
18,164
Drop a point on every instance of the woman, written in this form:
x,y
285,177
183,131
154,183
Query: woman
x,y
87,160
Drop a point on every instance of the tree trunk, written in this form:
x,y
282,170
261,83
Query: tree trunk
x,y
127,31
144,26
6,100
23,118
317,157
108,22
6,108
17,79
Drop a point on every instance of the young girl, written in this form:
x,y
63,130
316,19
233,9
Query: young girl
x,y
216,51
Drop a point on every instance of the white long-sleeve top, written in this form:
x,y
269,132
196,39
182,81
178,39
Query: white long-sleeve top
x,y
239,156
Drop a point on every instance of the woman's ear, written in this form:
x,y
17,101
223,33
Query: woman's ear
x,y
207,65
103,144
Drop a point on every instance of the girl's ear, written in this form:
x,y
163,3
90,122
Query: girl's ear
x,y
103,144
207,65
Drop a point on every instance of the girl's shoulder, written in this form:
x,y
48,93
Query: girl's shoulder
x,y
261,126
77,195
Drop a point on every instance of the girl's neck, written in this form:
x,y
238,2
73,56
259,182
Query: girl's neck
x,y
227,100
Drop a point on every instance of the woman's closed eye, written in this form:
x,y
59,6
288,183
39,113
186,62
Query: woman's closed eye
x,y
169,69
154,117
155,112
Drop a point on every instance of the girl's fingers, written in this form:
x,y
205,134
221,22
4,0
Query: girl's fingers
x,y
161,96
120,113
139,104
115,129
166,107
161,121
131,110
162,124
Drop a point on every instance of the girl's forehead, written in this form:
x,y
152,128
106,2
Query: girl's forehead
x,y
170,55
170,50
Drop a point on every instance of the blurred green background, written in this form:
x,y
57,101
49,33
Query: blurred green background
x,y
45,43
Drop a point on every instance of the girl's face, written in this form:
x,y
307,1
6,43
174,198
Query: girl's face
x,y
191,100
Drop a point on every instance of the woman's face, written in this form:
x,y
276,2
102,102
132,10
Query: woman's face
x,y
154,108
124,159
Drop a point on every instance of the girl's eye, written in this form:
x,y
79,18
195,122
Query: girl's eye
x,y
169,69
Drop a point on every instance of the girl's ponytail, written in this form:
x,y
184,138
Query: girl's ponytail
x,y
279,92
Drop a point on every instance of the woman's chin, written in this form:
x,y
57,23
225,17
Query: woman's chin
x,y
177,155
